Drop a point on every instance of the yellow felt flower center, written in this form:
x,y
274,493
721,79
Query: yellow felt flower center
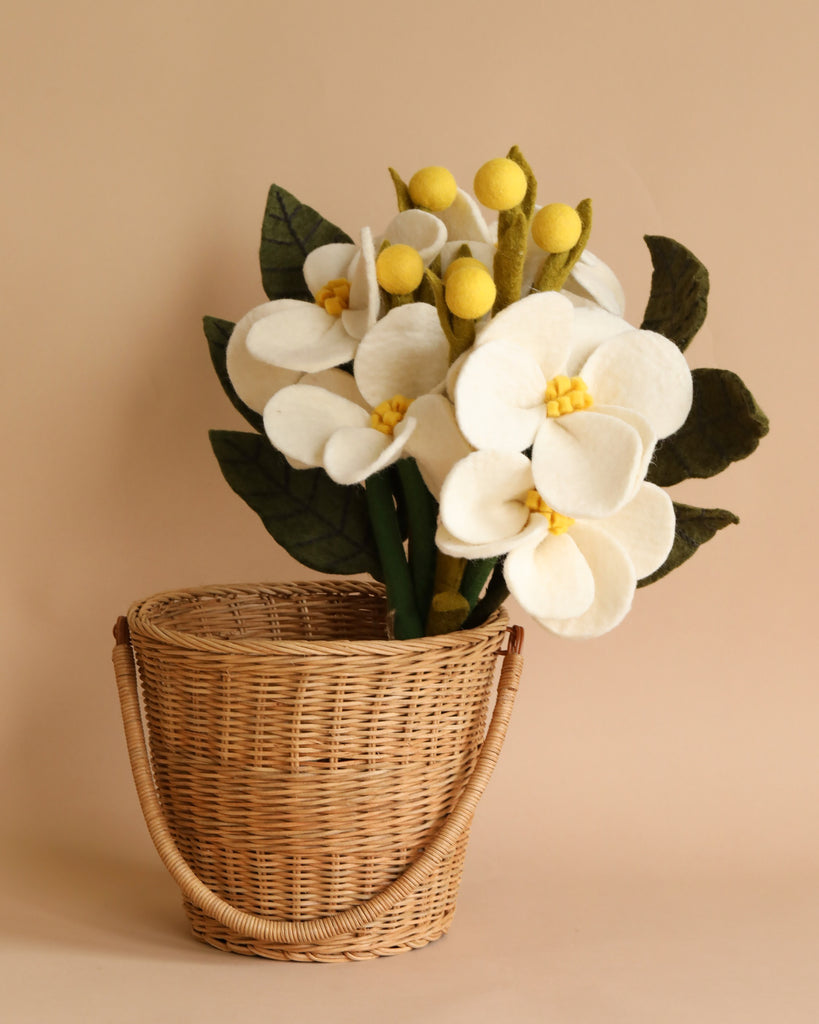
x,y
565,395
334,297
386,416
557,523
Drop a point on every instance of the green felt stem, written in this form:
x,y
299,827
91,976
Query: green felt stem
x,y
496,594
422,518
400,596
476,573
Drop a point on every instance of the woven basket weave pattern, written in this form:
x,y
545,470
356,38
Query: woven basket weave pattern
x,y
303,760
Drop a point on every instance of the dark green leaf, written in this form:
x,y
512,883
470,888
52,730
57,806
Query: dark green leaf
x,y
725,424
320,523
694,527
679,291
290,231
218,334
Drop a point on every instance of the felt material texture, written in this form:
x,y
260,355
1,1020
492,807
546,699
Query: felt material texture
x,y
255,380
725,424
301,419
693,527
365,298
437,443
300,336
218,334
291,229
464,221
321,524
678,301
591,278
550,579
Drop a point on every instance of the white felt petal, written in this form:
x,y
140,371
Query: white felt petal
x,y
327,263
641,425
614,585
253,380
591,327
352,454
483,497
339,382
437,443
301,419
535,529
464,221
586,463
597,280
482,251
644,528
300,336
365,298
405,353
541,324
643,371
550,578
499,397
419,229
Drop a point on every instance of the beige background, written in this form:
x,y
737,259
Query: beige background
x,y
649,849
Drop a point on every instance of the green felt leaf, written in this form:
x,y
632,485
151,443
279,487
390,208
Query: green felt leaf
x,y
679,291
725,424
694,527
402,195
218,334
290,231
320,523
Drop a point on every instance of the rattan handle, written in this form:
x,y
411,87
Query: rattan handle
x,y
267,929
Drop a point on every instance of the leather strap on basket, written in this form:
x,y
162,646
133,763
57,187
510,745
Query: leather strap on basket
x,y
267,929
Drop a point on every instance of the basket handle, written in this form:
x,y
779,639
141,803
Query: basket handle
x,y
268,929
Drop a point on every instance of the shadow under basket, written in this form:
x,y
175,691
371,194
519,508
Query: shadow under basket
x,y
310,783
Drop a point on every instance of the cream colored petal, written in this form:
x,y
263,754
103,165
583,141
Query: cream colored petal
x,y
437,443
499,397
300,420
540,324
406,353
464,221
644,528
300,336
327,263
354,453
550,578
614,585
641,425
645,372
591,327
254,380
339,382
592,278
535,529
421,230
483,497
587,464
365,297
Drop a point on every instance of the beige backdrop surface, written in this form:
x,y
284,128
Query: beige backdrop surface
x,y
649,849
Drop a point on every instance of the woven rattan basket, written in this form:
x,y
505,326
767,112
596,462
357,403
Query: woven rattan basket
x,y
310,783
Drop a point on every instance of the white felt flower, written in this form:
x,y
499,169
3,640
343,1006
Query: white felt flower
x,y
308,337
576,576
586,391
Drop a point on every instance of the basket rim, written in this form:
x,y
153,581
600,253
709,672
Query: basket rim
x,y
141,624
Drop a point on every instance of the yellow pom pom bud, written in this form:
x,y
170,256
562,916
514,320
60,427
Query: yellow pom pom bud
x,y
399,269
460,263
500,184
470,292
556,227
434,188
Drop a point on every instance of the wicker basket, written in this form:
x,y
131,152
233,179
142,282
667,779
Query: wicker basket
x,y
311,783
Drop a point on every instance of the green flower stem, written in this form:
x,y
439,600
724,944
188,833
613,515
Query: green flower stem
x,y
422,518
476,573
400,595
496,594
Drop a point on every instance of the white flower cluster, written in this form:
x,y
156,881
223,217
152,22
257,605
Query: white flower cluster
x,y
535,441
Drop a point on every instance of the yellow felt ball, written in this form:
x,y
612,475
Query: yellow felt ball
x,y
460,263
470,292
399,269
434,188
556,227
500,184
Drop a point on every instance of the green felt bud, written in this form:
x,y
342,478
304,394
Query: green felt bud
x,y
725,424
694,527
557,266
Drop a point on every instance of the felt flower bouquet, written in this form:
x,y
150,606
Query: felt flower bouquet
x,y
460,409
